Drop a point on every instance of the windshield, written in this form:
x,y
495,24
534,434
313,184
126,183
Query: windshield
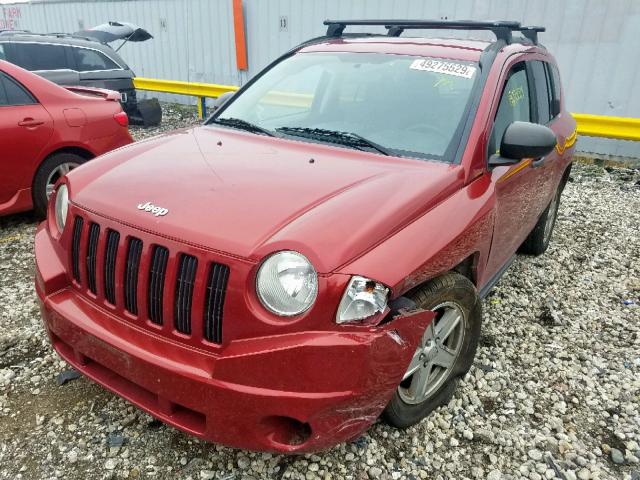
x,y
395,104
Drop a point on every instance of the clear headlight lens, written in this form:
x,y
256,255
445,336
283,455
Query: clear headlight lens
x,y
362,299
62,206
287,283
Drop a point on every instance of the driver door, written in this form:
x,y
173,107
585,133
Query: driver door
x,y
515,185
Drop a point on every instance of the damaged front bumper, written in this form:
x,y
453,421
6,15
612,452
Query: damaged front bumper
x,y
297,392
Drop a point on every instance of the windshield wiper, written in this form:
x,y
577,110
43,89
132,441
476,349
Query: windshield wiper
x,y
334,136
242,125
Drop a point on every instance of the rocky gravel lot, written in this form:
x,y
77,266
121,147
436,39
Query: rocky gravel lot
x,y
554,392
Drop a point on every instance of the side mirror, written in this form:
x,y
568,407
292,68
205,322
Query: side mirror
x,y
222,99
524,140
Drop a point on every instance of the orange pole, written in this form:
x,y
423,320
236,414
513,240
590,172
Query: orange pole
x,y
238,28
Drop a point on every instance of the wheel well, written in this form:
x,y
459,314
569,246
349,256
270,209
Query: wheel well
x,y
467,267
565,176
81,152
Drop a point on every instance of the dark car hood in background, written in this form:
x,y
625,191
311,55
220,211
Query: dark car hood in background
x,y
249,195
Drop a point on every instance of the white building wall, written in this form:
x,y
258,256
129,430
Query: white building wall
x,y
596,42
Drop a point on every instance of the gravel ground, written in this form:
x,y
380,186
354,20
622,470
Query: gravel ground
x,y
554,392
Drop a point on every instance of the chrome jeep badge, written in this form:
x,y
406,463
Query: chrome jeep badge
x,y
151,208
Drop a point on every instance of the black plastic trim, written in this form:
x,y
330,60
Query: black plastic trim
x,y
484,291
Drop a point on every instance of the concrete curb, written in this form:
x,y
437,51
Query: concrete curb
x,y
606,160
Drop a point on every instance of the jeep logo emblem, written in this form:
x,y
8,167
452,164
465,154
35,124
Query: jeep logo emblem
x,y
151,208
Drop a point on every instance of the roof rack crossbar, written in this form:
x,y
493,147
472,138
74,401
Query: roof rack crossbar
x,y
531,33
501,29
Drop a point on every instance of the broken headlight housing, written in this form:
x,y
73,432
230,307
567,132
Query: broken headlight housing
x,y
362,299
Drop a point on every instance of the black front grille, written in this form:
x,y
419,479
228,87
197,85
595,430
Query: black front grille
x,y
156,283
131,275
184,293
127,266
110,256
92,255
75,248
214,303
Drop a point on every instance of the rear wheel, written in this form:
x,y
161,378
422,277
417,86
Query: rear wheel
x,y
445,353
538,240
48,173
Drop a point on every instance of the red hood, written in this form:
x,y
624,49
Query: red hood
x,y
250,195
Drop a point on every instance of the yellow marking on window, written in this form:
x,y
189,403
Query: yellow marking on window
x,y
444,81
515,95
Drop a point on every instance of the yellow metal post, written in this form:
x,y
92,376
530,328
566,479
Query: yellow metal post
x,y
200,102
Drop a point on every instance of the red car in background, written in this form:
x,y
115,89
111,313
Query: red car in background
x,y
47,130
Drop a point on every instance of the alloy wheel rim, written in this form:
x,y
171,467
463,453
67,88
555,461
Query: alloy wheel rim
x,y
435,356
551,218
60,171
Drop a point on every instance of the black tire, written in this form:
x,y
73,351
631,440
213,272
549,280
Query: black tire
x,y
540,237
449,288
39,188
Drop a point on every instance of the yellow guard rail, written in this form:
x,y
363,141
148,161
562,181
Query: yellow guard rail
x,y
192,89
621,128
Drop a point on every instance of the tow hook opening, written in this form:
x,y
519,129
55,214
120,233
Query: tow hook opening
x,y
286,430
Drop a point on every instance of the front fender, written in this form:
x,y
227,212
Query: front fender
x,y
460,226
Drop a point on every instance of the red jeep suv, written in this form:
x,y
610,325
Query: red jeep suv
x,y
315,255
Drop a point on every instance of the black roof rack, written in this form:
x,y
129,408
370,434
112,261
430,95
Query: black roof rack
x,y
531,33
501,29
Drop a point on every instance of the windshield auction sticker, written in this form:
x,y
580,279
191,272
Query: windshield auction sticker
x,y
448,68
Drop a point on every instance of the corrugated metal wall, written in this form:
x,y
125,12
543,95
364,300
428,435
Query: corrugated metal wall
x,y
595,41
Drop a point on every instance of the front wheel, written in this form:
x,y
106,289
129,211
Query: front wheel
x,y
445,353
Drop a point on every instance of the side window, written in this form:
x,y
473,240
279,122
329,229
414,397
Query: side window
x,y
2,55
88,60
554,80
14,93
543,98
38,56
515,105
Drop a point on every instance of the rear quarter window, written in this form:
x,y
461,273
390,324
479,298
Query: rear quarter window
x,y
12,93
88,60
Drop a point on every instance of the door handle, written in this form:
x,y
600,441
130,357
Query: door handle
x,y
30,122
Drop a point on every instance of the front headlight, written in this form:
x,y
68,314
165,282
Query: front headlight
x,y
362,299
287,283
62,206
